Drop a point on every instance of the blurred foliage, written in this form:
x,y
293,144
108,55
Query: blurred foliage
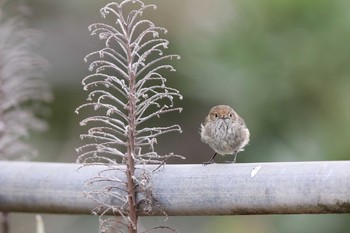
x,y
283,65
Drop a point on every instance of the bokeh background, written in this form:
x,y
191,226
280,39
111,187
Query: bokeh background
x,y
283,65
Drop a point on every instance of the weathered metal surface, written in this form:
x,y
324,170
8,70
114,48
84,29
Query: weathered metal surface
x,y
217,189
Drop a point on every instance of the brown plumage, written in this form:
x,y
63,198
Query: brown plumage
x,y
225,131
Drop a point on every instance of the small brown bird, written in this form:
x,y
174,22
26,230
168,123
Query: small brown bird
x,y
225,132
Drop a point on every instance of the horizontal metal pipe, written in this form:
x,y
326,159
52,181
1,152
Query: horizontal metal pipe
x,y
216,189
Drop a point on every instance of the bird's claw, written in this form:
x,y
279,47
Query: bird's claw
x,y
230,161
208,162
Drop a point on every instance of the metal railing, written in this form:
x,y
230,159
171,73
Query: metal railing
x,y
217,189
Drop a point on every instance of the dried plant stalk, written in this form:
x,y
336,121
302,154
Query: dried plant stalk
x,y
23,89
126,89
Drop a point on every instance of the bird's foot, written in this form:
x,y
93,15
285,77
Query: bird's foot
x,y
208,162
230,161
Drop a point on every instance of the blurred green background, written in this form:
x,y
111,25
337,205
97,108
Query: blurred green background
x,y
284,66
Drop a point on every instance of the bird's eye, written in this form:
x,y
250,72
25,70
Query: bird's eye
x,y
231,115
216,115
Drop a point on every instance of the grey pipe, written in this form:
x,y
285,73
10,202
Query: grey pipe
x,y
217,189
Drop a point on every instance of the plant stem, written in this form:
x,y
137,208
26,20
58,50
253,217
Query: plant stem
x,y
130,163
5,222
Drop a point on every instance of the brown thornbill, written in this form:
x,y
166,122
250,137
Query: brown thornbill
x,y
225,132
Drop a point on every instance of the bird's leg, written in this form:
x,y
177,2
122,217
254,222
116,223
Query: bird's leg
x,y
234,158
211,160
